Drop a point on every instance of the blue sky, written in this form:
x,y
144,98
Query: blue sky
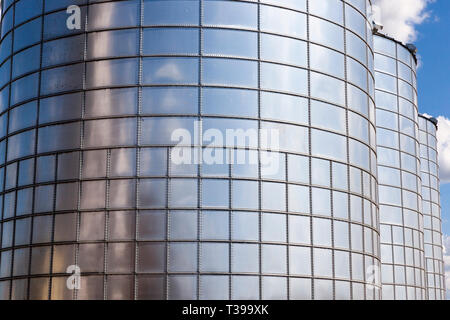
x,y
433,43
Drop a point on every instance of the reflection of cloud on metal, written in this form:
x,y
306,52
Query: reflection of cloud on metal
x,y
169,71
169,100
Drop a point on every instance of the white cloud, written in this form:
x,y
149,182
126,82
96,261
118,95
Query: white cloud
x,y
400,17
446,243
443,136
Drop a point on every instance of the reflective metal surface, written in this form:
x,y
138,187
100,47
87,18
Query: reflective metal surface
x,y
400,194
435,269
89,179
87,174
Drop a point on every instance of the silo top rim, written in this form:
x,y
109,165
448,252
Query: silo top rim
x,y
407,46
431,119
